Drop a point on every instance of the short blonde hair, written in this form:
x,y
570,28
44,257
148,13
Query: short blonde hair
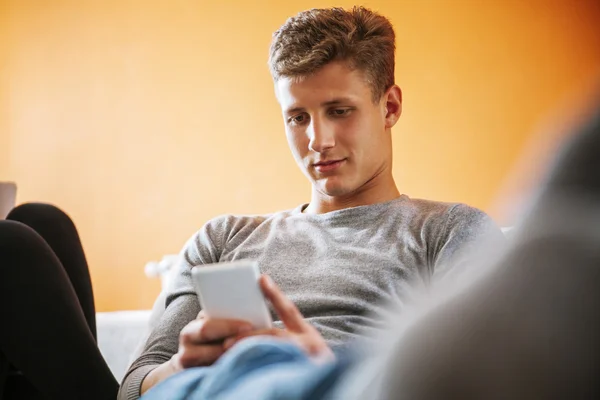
x,y
313,38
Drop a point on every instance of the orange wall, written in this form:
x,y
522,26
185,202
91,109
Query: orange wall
x,y
143,119
4,90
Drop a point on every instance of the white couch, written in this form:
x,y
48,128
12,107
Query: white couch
x,y
121,333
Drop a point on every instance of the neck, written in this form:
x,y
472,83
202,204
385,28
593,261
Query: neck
x,y
380,189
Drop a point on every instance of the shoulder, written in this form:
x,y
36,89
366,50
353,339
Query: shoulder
x,y
445,224
461,229
464,215
468,222
232,224
227,230
436,216
226,227
442,213
427,208
206,245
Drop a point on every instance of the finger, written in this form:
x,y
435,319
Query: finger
x,y
229,342
287,311
209,330
201,314
196,356
262,332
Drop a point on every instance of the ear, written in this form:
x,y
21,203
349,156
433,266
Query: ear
x,y
393,105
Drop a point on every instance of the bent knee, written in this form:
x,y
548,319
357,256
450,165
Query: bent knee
x,y
29,213
17,237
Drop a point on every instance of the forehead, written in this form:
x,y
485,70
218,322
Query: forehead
x,y
333,81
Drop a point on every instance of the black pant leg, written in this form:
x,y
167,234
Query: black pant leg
x,y
58,230
44,333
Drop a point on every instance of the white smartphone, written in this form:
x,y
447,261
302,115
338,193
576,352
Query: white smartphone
x,y
231,291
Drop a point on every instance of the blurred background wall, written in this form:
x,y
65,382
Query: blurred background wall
x,y
144,119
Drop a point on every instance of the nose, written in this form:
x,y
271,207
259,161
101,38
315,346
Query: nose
x,y
321,135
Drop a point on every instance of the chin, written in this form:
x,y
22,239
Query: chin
x,y
334,189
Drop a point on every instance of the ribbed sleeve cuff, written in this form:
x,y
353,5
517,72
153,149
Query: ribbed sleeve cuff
x,y
133,384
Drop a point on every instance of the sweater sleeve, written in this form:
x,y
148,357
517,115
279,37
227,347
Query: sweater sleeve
x,y
182,306
467,235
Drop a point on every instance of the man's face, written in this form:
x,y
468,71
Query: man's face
x,y
337,134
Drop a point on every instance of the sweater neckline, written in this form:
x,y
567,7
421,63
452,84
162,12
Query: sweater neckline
x,y
350,211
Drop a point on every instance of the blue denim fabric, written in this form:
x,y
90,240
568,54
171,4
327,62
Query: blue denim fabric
x,y
261,368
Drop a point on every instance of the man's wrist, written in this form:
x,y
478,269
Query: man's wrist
x,y
159,374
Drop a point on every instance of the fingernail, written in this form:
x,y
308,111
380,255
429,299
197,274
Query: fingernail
x,y
268,281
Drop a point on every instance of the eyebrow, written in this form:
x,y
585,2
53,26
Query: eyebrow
x,y
329,103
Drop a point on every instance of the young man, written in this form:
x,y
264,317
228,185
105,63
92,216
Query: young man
x,y
525,328
342,258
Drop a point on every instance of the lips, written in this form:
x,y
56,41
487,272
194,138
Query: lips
x,y
325,166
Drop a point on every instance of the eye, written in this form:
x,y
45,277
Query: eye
x,y
340,112
298,119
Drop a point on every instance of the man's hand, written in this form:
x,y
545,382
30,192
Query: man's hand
x,y
296,328
200,344
201,341
204,340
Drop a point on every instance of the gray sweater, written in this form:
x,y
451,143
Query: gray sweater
x,y
341,268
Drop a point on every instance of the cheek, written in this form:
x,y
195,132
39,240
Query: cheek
x,y
366,140
356,136
298,143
